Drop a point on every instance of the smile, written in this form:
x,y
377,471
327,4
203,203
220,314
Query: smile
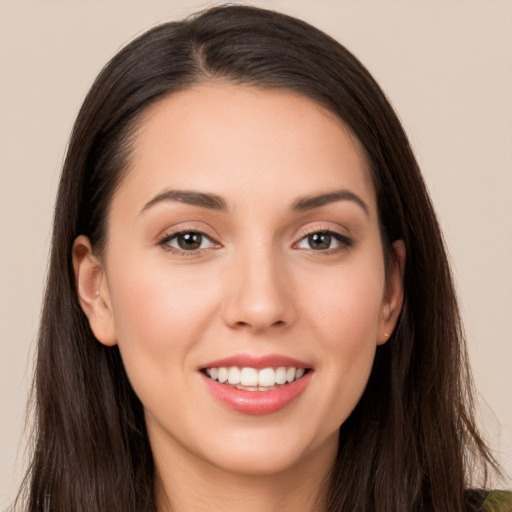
x,y
253,379
256,385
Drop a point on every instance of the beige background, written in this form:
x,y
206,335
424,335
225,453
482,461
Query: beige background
x,y
445,64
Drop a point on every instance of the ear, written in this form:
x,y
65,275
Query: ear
x,y
393,293
93,293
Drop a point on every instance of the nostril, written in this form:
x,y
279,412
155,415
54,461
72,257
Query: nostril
x,y
258,309
242,324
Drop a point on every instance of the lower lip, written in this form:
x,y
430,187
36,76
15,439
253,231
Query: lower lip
x,y
257,402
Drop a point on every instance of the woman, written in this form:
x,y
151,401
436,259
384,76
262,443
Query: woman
x,y
249,303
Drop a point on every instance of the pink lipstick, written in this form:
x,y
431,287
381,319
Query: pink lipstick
x,y
256,384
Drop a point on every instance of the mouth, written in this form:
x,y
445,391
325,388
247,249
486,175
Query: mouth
x,y
256,385
253,379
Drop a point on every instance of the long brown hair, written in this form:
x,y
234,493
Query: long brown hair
x,y
410,444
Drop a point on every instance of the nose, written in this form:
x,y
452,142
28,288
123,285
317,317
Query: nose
x,y
260,296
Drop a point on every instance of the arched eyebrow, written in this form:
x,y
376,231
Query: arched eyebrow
x,y
201,199
215,202
318,200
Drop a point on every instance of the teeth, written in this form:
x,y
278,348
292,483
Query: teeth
x,y
280,375
222,375
267,377
234,375
252,379
249,377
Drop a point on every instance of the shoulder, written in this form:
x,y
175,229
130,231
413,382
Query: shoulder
x,y
482,500
498,501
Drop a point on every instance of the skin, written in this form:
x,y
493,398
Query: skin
x,y
256,286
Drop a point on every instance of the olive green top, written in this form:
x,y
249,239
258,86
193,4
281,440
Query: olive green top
x,y
498,501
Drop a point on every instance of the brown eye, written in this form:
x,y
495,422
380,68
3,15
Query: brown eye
x,y
320,241
324,241
188,241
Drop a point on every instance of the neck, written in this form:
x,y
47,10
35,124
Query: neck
x,y
186,484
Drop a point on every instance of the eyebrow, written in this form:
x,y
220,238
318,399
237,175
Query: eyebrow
x,y
316,201
201,199
215,202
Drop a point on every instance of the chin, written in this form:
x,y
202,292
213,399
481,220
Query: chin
x,y
268,453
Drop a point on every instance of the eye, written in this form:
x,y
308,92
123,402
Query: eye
x,y
187,241
323,241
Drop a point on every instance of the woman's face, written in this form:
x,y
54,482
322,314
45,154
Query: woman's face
x,y
244,243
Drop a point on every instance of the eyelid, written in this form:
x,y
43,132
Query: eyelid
x,y
170,233
322,228
344,239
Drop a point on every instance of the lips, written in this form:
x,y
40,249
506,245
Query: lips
x,y
256,385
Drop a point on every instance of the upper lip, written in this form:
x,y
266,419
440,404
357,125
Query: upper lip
x,y
256,361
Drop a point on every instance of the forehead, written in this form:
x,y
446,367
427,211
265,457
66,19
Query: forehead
x,y
227,138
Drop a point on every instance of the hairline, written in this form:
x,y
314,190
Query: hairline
x,y
135,125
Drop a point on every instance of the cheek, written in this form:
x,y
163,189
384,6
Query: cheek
x,y
346,304
159,316
345,319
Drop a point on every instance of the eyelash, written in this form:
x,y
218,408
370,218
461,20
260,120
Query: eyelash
x,y
166,238
343,241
